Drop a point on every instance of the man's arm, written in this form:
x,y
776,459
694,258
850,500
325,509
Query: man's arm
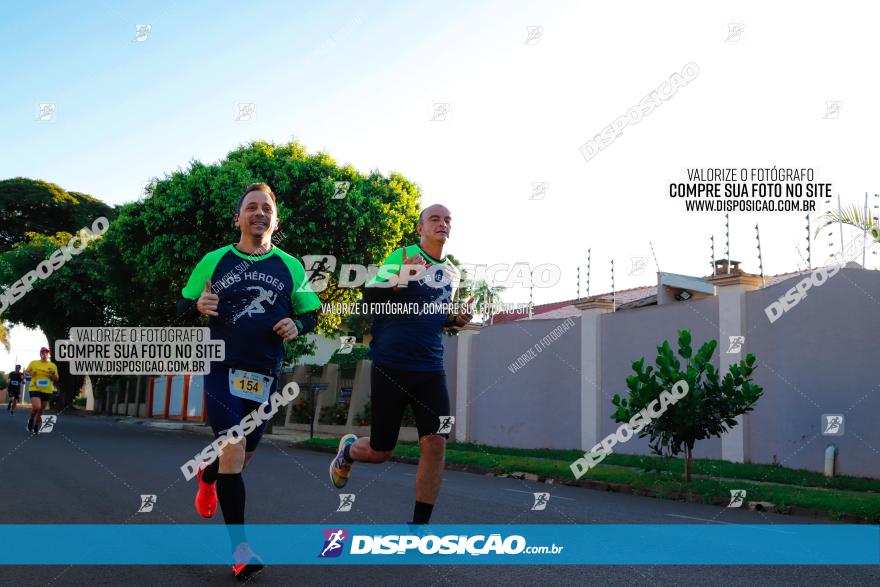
x,y
186,309
306,323
198,289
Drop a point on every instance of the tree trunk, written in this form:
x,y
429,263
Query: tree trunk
x,y
687,465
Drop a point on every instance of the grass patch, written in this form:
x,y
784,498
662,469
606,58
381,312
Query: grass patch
x,y
708,467
779,485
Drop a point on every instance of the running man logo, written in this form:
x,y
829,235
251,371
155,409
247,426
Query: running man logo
x,y
639,264
334,540
346,344
341,189
533,35
318,270
735,32
346,500
46,112
832,109
256,305
48,424
541,501
446,423
441,110
245,112
141,32
736,343
832,424
147,503
539,190
737,497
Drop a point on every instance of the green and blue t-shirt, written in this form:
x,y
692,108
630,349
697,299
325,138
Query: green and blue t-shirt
x,y
407,340
255,292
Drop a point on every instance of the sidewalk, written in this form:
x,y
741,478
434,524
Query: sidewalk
x,y
291,436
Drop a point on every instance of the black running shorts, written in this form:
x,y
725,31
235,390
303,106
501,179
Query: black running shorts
x,y
392,390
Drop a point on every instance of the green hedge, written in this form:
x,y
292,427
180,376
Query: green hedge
x,y
358,352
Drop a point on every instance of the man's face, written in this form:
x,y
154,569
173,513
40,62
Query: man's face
x,y
44,355
257,215
436,223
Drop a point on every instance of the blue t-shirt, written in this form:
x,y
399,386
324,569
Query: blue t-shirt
x,y
410,336
255,293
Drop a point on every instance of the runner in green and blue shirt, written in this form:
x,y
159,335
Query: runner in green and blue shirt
x,y
407,353
256,297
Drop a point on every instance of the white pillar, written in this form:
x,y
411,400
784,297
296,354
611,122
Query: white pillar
x,y
591,394
464,341
731,290
90,394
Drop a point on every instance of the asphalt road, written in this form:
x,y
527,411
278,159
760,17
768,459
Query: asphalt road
x,y
94,469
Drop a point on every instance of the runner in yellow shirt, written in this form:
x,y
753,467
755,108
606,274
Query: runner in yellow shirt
x,y
43,375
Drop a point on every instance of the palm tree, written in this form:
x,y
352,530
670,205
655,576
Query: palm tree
x,y
854,216
487,296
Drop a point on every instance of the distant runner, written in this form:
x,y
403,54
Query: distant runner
x,y
16,382
44,374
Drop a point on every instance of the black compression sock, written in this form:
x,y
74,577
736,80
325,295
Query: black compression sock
x,y
231,495
422,512
209,475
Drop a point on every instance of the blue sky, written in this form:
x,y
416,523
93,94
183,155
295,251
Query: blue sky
x,y
359,81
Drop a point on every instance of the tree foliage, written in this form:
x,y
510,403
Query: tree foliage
x,y
155,243
133,275
710,407
73,295
36,206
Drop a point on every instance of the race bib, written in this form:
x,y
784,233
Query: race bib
x,y
247,385
42,383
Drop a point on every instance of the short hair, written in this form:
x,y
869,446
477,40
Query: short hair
x,y
18,366
257,187
422,213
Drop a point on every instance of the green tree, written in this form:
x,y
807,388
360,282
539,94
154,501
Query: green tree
x,y
73,295
155,242
710,407
32,205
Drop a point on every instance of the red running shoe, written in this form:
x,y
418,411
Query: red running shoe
x,y
206,498
246,563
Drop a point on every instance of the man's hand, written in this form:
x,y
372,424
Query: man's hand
x,y
465,313
286,328
411,269
207,303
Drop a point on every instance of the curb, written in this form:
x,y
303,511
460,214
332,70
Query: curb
x,y
790,510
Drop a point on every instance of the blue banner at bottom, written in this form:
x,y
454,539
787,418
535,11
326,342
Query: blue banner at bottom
x,y
609,544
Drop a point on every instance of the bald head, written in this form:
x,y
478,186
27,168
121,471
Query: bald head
x,y
438,208
435,223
